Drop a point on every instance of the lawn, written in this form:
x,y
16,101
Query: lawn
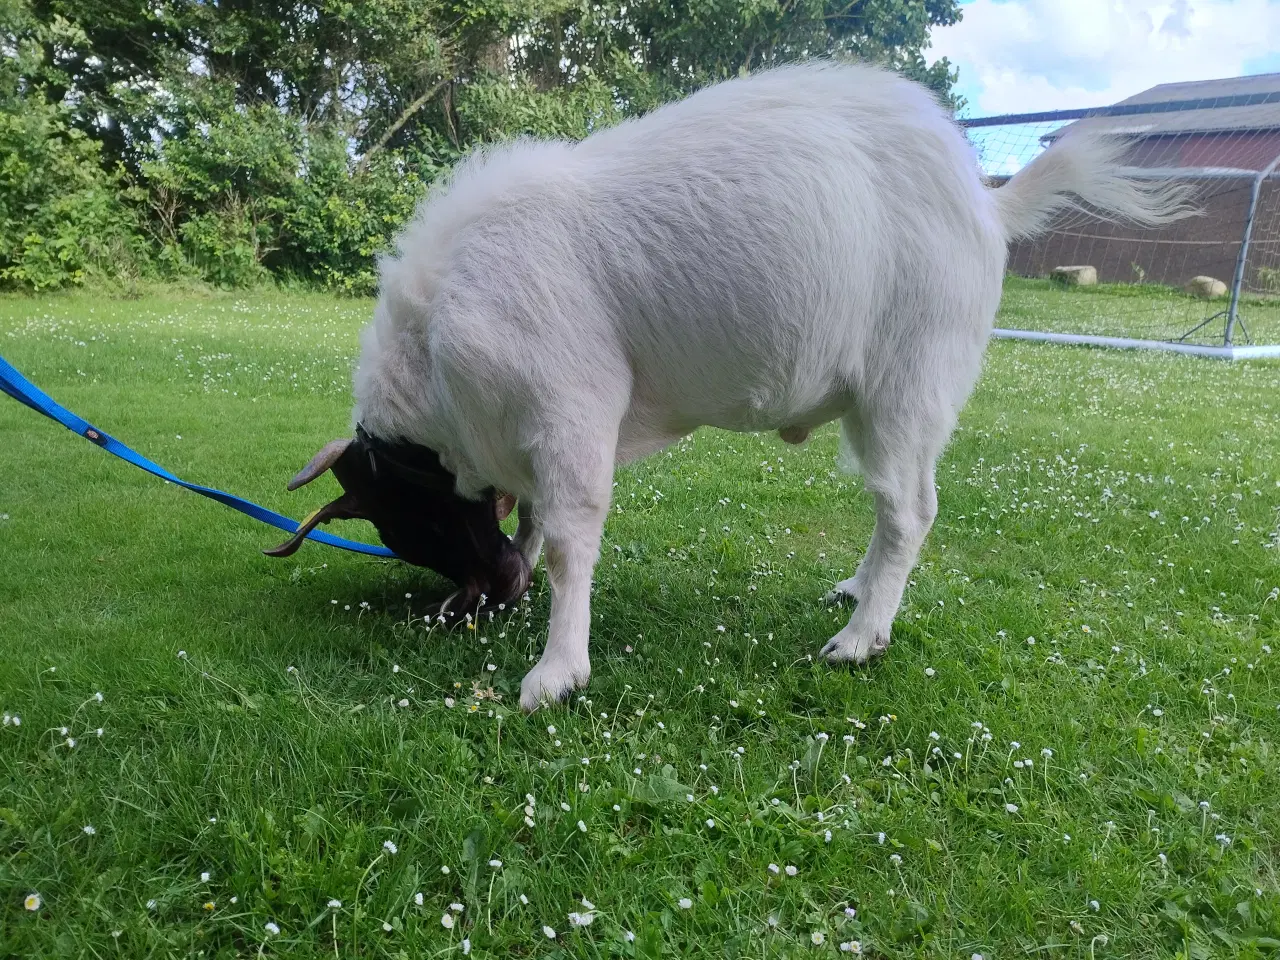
x,y
1070,750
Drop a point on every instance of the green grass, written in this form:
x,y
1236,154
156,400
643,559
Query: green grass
x,y
1123,509
1125,310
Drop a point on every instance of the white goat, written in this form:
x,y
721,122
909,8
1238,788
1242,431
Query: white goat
x,y
775,252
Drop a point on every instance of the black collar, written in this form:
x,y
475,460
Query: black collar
x,y
410,462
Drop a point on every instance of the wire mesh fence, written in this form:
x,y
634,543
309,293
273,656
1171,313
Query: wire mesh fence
x,y
1211,280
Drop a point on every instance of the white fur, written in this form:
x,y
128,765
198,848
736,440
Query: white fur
x,y
775,252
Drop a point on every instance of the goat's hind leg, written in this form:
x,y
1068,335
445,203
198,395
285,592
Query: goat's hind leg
x,y
900,473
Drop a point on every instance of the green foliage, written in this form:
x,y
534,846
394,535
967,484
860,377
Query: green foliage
x,y
236,142
493,109
62,216
337,222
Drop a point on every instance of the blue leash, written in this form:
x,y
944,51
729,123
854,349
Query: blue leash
x,y
24,391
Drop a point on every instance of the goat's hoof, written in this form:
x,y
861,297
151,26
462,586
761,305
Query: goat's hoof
x,y
855,646
551,682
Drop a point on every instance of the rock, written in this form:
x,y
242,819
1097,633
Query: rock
x,y
1075,276
1206,288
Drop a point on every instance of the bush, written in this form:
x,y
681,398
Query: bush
x,y
339,219
62,216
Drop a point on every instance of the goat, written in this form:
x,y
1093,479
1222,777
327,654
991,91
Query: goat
x,y
774,252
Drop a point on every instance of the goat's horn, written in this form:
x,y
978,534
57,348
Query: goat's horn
x,y
321,462
343,508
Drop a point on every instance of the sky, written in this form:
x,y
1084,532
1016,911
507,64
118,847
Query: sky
x,y
1020,56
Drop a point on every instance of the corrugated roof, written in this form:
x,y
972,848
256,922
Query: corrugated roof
x,y
1209,120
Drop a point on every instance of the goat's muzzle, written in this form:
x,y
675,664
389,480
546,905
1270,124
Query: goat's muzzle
x,y
410,498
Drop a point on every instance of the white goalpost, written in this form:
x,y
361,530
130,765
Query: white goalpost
x,y
1205,286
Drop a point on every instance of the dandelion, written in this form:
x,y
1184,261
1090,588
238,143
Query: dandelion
x,y
32,902
446,921
272,928
684,903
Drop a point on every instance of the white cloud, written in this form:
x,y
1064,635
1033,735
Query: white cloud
x,y
1025,55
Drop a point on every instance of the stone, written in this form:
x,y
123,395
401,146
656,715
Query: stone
x,y
1206,288
1083,276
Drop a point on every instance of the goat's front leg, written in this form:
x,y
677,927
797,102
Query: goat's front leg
x,y
528,538
572,521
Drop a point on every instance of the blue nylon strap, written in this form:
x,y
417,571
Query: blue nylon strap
x,y
24,391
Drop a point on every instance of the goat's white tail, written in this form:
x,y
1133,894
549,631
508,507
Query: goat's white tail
x,y
1087,167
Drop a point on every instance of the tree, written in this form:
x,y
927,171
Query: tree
x,y
240,131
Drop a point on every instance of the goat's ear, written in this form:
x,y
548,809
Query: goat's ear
x,y
321,462
344,508
505,504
